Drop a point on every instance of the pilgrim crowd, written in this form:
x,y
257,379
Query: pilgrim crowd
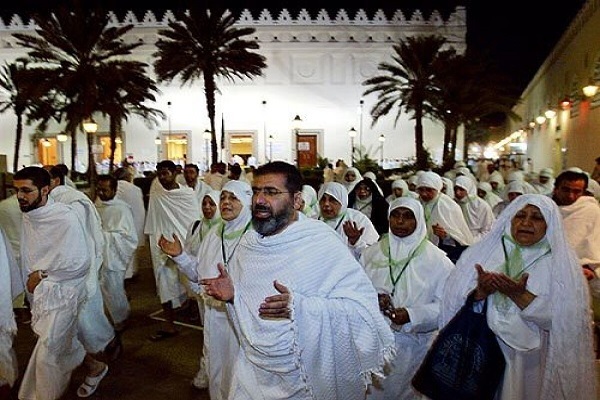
x,y
329,292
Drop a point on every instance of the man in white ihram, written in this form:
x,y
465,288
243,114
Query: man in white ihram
x,y
305,312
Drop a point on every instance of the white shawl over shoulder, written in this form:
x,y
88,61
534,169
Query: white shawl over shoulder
x,y
336,333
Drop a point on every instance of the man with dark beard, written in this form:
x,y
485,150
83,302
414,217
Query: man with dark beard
x,y
320,336
56,260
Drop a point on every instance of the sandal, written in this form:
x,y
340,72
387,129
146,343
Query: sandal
x,y
90,384
161,335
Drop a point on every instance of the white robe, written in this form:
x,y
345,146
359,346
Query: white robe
x,y
221,345
169,212
95,330
11,286
120,242
446,213
547,345
335,340
132,195
54,241
418,289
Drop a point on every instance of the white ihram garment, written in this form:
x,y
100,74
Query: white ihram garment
x,y
120,242
95,330
54,241
169,212
132,195
334,341
11,286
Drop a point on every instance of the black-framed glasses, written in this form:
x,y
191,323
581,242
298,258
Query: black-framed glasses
x,y
267,191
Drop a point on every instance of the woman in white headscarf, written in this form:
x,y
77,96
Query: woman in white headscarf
x,y
310,207
351,178
511,192
354,227
194,237
448,186
538,302
400,189
220,244
477,212
408,272
485,191
497,183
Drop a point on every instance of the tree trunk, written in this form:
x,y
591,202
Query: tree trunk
x,y
19,135
91,171
420,151
115,126
209,91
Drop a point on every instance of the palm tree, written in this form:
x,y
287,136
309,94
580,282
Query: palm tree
x,y
128,88
78,49
23,88
408,85
205,43
469,90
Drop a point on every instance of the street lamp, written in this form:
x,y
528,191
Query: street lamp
x,y
352,133
62,138
46,145
381,140
296,125
90,126
207,136
157,142
271,147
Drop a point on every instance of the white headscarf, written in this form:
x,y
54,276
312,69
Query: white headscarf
x,y
491,197
449,186
311,204
569,371
338,192
350,185
243,192
370,175
431,180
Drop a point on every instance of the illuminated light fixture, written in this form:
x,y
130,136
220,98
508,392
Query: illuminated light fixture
x,y
61,137
550,113
90,126
118,140
157,140
297,123
565,103
590,89
540,119
352,132
46,143
532,124
382,138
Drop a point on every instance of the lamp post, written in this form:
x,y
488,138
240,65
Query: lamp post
x,y
271,148
90,127
207,136
46,145
62,138
296,125
352,133
157,142
381,140
360,128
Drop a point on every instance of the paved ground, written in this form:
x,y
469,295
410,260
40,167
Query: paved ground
x,y
146,370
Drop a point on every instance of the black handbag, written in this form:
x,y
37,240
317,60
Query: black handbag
x,y
465,360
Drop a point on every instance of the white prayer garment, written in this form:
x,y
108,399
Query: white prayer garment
x,y
413,272
169,212
132,195
335,340
477,212
120,242
53,240
11,286
369,235
547,345
95,330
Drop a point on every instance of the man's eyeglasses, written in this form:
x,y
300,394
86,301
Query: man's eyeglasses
x,y
25,190
267,191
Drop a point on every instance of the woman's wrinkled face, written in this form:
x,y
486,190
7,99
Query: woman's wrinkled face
x,y
402,222
528,226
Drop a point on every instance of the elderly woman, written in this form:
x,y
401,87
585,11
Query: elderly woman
x,y
355,228
366,198
408,272
351,178
538,302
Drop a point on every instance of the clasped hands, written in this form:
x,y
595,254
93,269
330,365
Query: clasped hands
x,y
489,282
398,316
